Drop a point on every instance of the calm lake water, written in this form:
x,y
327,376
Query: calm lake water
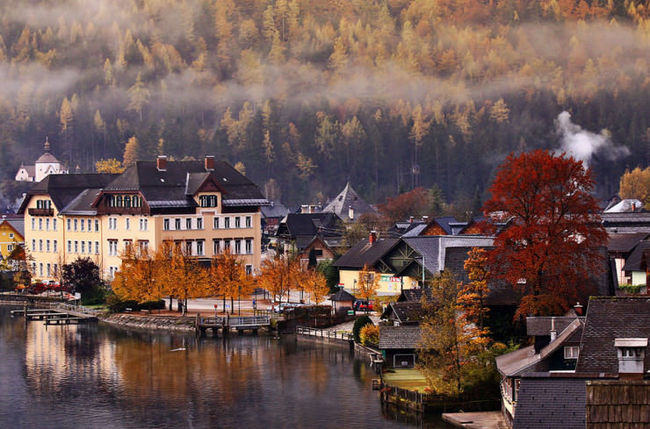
x,y
96,376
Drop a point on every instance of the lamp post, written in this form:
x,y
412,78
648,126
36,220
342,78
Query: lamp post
x,y
421,258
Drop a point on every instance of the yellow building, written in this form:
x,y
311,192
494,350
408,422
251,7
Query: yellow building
x,y
206,206
11,234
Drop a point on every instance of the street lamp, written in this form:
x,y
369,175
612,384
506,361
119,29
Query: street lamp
x,y
421,258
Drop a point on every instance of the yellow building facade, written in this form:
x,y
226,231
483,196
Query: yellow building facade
x,y
11,235
204,207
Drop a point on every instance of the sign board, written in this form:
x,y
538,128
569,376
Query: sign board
x,y
350,312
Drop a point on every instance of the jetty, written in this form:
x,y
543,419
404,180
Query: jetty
x,y
226,324
55,316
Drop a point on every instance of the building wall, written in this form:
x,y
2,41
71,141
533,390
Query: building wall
x,y
638,278
9,239
387,283
41,230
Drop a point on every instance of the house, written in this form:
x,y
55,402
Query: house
x,y
319,249
12,234
342,300
399,344
348,205
272,215
297,230
205,206
46,164
403,313
620,247
636,268
541,385
627,222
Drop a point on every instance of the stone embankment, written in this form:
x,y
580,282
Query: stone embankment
x,y
149,322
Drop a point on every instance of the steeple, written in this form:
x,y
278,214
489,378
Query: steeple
x,y
46,145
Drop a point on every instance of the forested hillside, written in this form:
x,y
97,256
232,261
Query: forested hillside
x,y
390,94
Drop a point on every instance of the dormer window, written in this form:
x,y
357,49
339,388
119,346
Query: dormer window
x,y
631,353
571,352
208,200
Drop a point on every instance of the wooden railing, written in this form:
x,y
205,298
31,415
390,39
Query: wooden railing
x,y
41,212
323,333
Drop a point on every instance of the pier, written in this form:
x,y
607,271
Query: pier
x,y
55,316
226,324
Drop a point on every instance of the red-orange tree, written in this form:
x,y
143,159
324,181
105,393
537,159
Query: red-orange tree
x,y
550,250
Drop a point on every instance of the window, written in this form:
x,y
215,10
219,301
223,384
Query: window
x,y
11,235
249,269
56,269
208,200
188,247
68,222
215,223
47,224
216,247
112,223
226,222
200,248
48,270
127,224
144,245
127,244
69,246
40,245
177,224
143,224
54,225
33,245
96,225
238,247
90,225
166,224
318,252
40,224
249,246
76,246
249,222
55,247
237,222
47,245
112,247
34,267
571,352
226,244
40,269
83,225
33,224
96,247
10,247
188,223
118,201
83,246
127,201
199,223
75,223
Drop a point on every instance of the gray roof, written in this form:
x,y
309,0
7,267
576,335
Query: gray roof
x,y
609,318
342,295
275,209
626,222
624,243
399,337
541,325
364,253
81,205
433,248
550,403
47,158
30,169
635,262
17,224
347,198
405,312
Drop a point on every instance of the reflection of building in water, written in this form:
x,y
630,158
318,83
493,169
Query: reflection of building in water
x,y
55,354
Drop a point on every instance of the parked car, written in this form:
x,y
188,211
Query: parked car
x,y
362,305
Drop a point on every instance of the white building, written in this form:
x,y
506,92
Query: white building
x,y
45,165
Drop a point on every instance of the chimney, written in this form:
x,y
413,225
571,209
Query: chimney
x,y
553,331
631,355
372,238
351,213
578,309
411,218
161,163
209,163
425,219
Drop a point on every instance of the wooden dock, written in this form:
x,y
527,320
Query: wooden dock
x,y
226,324
55,316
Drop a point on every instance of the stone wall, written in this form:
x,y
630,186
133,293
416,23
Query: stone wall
x,y
168,323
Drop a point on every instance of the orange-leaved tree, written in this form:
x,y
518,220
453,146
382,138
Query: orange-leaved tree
x,y
550,249
472,295
279,275
180,274
315,283
136,278
228,278
367,284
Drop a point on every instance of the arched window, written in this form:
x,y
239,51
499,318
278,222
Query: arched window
x,y
119,201
127,201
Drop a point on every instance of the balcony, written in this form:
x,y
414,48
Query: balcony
x,y
41,212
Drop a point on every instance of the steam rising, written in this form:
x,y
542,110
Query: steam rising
x,y
583,145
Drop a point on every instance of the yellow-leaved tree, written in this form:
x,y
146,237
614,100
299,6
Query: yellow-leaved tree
x,y
110,165
279,275
315,284
636,184
228,278
180,274
136,278
367,284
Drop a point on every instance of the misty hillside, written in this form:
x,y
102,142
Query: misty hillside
x,y
387,94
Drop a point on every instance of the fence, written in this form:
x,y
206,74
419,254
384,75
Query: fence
x,y
323,333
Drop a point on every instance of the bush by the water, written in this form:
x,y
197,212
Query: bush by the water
x,y
358,324
369,335
94,295
116,305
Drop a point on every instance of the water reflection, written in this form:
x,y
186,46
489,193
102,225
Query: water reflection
x,y
96,376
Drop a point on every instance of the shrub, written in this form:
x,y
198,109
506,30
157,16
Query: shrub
x,y
358,324
369,335
94,295
116,305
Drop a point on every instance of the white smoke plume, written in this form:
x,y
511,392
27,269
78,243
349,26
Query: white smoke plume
x,y
583,145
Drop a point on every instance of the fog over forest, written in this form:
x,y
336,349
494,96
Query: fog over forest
x,y
388,94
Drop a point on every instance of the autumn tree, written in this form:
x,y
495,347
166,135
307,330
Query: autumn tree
x,y
180,274
413,203
636,184
279,275
315,284
473,294
551,247
111,165
136,278
228,278
367,284
450,345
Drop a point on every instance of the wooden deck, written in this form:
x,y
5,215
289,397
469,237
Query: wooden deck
x,y
225,324
476,420
55,316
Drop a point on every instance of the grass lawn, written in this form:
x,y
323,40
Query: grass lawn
x,y
410,378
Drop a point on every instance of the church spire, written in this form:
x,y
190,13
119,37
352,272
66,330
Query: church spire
x,y
46,145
